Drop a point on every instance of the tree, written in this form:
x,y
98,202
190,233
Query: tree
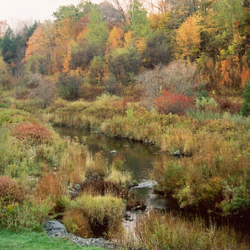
x,y
227,13
188,38
45,91
115,39
68,87
140,24
6,78
42,42
97,33
9,46
157,50
71,11
124,64
3,27
245,109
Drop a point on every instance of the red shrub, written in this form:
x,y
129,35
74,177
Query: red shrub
x,y
127,99
10,192
228,105
31,131
174,103
89,92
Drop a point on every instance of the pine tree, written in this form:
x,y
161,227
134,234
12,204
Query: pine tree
x,y
245,109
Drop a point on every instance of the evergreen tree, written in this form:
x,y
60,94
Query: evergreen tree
x,y
245,109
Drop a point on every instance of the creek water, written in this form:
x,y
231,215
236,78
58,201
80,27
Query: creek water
x,y
138,159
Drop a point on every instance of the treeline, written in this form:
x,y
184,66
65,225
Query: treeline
x,y
109,44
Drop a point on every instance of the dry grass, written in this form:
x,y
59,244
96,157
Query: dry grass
x,y
157,231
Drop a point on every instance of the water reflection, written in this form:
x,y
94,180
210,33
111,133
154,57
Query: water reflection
x,y
139,158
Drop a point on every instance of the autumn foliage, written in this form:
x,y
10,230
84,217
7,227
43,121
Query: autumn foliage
x,y
31,131
173,103
10,192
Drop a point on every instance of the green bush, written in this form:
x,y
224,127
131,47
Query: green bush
x,y
69,87
31,215
100,212
245,109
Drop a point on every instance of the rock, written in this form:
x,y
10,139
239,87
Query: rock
x,y
77,187
113,152
145,184
127,216
177,153
56,229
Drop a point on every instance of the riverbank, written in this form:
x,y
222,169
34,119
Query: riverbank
x,y
201,181
33,240
213,178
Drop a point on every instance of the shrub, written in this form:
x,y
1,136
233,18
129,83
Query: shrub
x,y
53,187
118,177
10,191
30,215
204,103
69,87
173,103
97,166
76,223
103,213
227,105
202,115
170,177
8,116
32,132
90,93
245,109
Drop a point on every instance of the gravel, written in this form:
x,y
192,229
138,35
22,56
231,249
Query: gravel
x,y
56,229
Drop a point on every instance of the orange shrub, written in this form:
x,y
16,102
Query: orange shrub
x,y
50,184
32,132
10,192
77,224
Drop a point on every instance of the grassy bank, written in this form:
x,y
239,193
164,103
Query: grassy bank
x,y
38,171
34,240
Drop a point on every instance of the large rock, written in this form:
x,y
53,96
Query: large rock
x,y
56,229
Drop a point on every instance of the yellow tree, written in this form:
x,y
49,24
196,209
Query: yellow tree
x,y
115,39
188,38
42,44
65,32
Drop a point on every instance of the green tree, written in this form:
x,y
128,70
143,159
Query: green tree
x,y
97,33
245,109
227,13
71,11
140,24
69,87
124,64
9,46
158,50
6,78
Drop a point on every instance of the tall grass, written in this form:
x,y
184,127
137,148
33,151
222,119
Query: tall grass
x,y
157,231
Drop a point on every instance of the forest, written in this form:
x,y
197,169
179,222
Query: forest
x,y
171,74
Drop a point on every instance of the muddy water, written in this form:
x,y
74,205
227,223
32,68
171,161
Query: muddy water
x,y
138,159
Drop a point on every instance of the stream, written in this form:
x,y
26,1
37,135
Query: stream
x,y
138,159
